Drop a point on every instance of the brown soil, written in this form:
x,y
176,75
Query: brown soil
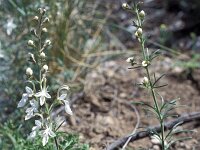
x,y
104,114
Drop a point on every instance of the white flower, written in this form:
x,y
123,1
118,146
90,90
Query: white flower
x,y
43,95
45,134
38,125
25,96
66,103
29,71
31,110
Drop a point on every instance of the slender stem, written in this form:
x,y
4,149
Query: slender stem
x,y
152,90
56,142
162,135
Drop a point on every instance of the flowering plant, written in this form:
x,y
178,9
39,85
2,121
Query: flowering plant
x,y
161,109
37,99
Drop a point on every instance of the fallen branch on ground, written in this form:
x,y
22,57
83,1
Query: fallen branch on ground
x,y
168,125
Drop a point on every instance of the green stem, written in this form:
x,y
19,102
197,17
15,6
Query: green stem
x,y
153,94
162,134
152,90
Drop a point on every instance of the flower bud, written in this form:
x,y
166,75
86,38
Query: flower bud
x,y
125,6
45,67
145,81
42,55
33,31
136,34
48,42
31,57
45,20
44,29
42,11
142,14
139,32
145,63
130,59
29,71
30,43
36,18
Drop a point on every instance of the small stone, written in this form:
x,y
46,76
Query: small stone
x,y
123,95
182,144
155,141
188,147
156,147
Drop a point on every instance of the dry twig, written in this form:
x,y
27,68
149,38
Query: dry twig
x,y
169,125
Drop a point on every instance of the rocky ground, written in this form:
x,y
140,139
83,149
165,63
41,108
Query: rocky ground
x,y
104,113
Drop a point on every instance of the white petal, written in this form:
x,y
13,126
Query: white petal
x,y
28,116
29,91
51,133
45,140
38,94
67,108
34,128
34,105
29,110
22,102
32,135
38,123
42,100
47,95
62,97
